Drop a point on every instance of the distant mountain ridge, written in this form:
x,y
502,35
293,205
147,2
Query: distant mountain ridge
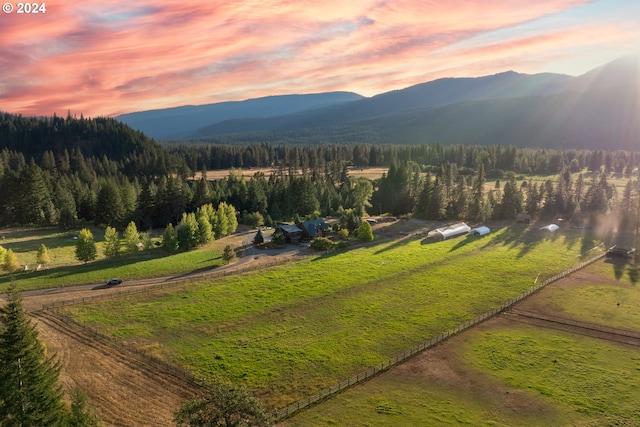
x,y
599,109
179,122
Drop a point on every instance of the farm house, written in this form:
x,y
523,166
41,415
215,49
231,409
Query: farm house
x,y
292,233
480,231
449,231
311,228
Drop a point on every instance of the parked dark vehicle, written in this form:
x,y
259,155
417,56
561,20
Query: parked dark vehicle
x,y
113,282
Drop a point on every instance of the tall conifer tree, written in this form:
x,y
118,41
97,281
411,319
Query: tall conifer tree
x,y
30,394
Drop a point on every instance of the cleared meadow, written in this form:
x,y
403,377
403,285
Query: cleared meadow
x,y
504,373
65,269
289,331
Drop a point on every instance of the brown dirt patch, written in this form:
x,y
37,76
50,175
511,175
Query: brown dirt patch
x,y
121,389
439,365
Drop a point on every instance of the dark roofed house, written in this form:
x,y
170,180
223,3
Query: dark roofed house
x,y
313,228
291,233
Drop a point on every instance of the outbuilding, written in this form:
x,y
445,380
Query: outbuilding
x,y
449,231
480,231
291,233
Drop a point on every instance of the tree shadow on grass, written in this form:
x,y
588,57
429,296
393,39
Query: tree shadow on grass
x,y
401,241
633,271
618,267
470,238
51,242
517,236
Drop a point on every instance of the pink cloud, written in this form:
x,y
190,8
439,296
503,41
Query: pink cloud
x,y
119,56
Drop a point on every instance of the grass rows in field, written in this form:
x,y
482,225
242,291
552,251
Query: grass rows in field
x,y
296,329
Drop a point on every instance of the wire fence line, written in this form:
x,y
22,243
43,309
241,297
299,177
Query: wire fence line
x,y
157,363
293,408
288,411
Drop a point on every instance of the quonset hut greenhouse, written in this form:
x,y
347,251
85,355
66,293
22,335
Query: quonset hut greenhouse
x,y
449,231
480,231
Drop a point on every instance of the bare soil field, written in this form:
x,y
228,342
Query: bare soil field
x,y
126,391
120,388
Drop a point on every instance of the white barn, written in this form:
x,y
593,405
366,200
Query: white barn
x,y
449,231
480,231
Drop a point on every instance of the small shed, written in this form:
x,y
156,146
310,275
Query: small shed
x,y
449,231
550,228
480,231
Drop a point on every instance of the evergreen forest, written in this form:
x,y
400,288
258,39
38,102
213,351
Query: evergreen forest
x,y
75,171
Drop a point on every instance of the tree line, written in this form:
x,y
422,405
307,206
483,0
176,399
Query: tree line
x,y
72,172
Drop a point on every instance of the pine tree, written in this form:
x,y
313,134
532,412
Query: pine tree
x,y
169,239
110,210
30,394
131,237
42,256
187,232
229,254
10,263
365,232
111,245
85,246
205,231
80,415
232,219
31,196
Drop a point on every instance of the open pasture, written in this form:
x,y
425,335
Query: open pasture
x,y
504,373
65,269
289,331
371,173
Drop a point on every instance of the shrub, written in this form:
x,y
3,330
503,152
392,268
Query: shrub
x,y
343,233
322,244
365,232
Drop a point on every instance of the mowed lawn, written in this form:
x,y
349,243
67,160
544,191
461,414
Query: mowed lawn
x,y
65,269
289,331
504,373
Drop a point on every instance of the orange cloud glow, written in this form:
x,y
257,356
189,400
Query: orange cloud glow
x,y
112,57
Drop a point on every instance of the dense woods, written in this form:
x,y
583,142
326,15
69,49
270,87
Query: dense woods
x,y
70,172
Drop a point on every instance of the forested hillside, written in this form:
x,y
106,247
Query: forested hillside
x,y
100,138
180,122
154,186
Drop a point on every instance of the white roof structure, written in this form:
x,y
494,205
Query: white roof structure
x,y
480,231
449,231
551,228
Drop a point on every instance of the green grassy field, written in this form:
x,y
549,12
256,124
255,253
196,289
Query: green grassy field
x,y
65,269
290,331
490,371
499,376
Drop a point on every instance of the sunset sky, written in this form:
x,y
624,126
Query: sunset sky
x,y
111,57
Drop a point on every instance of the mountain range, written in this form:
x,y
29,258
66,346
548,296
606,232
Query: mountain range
x,y
599,109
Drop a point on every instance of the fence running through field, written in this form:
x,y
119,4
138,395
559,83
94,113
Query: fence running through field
x,y
399,358
325,393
